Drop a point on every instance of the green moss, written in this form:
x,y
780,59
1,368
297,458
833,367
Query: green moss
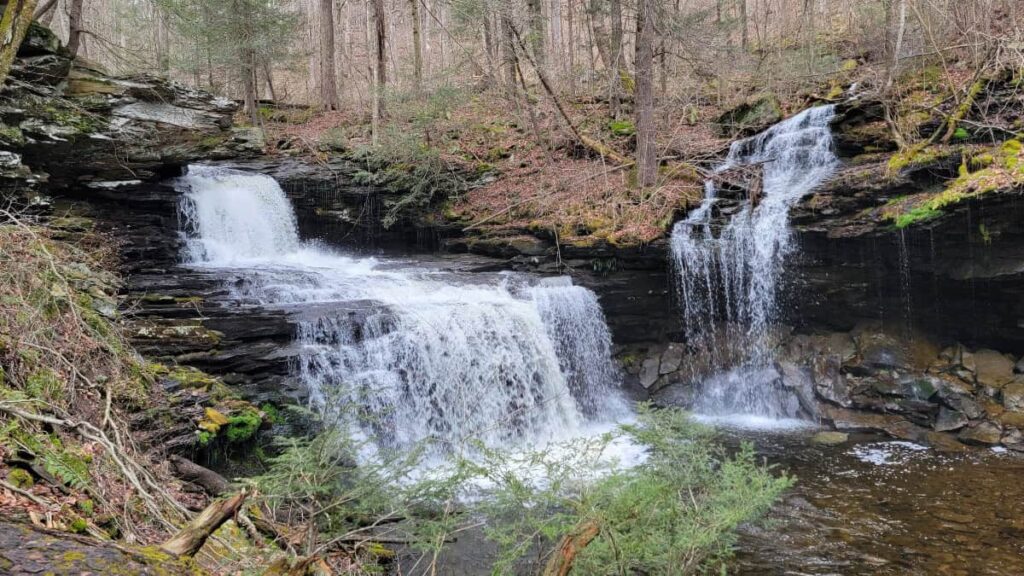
x,y
243,426
916,215
961,134
11,135
272,414
205,437
44,384
917,155
79,526
20,478
621,127
87,507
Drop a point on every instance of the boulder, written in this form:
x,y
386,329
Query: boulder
x,y
949,420
993,369
984,434
750,117
1019,366
829,383
671,359
1013,396
649,372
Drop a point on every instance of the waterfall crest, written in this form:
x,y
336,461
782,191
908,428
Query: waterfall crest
x,y
729,278
424,353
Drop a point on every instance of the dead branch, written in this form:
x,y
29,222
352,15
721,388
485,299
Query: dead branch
x,y
560,563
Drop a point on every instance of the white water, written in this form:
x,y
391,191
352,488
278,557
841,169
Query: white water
x,y
729,275
428,355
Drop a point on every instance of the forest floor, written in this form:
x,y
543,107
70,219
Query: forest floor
x,y
534,178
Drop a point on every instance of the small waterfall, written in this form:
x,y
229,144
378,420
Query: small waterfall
x,y
729,272
423,353
230,216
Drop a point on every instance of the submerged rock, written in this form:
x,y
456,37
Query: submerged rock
x,y
830,438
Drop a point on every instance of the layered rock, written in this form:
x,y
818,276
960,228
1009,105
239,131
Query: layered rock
x,y
874,379
72,124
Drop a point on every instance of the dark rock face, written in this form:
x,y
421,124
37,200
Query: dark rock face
x,y
72,124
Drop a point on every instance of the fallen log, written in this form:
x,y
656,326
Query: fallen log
x,y
191,538
214,484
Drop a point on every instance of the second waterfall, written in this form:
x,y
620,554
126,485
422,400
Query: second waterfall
x,y
729,267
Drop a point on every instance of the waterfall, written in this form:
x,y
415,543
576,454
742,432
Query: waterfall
x,y
235,216
729,270
424,353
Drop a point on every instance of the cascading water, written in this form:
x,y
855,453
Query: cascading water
x,y
434,356
729,281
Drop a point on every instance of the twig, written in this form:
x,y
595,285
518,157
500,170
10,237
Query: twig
x,y
24,493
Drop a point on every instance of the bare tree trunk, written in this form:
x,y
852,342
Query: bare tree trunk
x,y
45,10
328,70
510,54
646,153
745,41
417,49
163,43
268,74
13,26
537,36
571,41
615,70
74,26
894,61
380,27
556,35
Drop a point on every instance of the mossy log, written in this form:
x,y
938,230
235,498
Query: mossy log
x,y
191,538
961,112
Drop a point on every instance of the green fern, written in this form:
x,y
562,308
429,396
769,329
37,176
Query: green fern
x,y
71,469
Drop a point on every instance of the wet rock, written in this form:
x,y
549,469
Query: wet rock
x,y
829,382
649,372
949,420
800,380
984,434
1013,396
881,351
26,549
993,369
830,438
943,442
671,359
917,388
951,516
1014,440
1012,419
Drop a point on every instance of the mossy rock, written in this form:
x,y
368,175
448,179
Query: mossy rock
x,y
20,478
750,117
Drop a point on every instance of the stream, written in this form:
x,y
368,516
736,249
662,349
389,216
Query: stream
x,y
885,507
